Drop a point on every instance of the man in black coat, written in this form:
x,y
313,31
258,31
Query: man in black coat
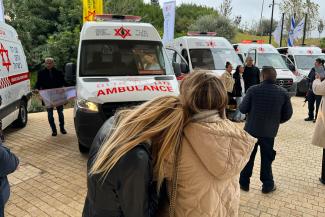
x,y
251,74
50,78
8,164
267,106
311,97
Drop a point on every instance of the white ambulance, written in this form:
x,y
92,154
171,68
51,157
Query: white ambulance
x,y
204,51
14,79
121,62
301,60
267,55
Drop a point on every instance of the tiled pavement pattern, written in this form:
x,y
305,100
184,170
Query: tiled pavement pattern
x,y
51,180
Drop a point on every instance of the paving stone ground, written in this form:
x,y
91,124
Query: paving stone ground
x,y
51,180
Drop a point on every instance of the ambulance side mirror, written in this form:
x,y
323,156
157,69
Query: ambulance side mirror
x,y
184,68
70,74
177,69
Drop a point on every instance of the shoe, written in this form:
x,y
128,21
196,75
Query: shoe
x,y
54,133
268,190
309,119
322,181
63,131
244,187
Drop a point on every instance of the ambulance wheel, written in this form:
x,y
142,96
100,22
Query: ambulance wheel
x,y
22,116
83,149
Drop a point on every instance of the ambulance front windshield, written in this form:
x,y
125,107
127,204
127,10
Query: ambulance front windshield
x,y
213,58
123,58
307,61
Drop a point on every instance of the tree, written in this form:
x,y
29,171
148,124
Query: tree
x,y
226,8
320,27
211,23
36,21
187,14
299,8
263,28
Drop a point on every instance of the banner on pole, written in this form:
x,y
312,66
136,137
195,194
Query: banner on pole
x,y
291,32
169,8
57,96
2,12
277,33
91,8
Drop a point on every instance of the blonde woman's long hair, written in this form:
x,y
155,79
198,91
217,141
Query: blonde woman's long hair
x,y
160,121
203,90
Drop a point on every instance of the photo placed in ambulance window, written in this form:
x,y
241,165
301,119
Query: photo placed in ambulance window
x,y
122,58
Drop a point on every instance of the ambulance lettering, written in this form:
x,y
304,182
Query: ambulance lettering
x,y
145,88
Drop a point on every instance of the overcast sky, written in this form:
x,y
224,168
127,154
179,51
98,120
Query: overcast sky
x,y
250,10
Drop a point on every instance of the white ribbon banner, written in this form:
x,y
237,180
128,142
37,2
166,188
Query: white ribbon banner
x,y
57,96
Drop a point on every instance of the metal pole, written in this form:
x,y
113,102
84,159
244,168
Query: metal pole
x,y
305,28
271,27
261,19
282,30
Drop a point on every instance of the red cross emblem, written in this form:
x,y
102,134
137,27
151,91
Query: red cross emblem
x,y
90,14
261,49
309,51
122,32
211,44
5,57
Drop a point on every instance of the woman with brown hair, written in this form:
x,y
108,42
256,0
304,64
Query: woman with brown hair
x,y
127,154
212,153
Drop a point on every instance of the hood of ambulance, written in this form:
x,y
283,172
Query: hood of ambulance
x,y
126,88
285,74
216,72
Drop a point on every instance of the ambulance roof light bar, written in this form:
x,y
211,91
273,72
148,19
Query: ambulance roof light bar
x,y
117,18
253,41
201,34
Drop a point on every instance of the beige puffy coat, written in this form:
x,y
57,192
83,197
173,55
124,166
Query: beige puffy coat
x,y
228,81
213,153
319,133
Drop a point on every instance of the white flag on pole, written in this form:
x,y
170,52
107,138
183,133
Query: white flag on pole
x,y
2,12
277,33
169,8
299,30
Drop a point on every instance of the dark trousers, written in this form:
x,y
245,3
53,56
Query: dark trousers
x,y
267,156
51,118
312,98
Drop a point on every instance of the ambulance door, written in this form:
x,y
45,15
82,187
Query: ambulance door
x,y
179,63
6,96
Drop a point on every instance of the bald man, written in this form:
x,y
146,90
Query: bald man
x,y
251,74
267,105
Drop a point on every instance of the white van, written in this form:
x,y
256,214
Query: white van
x,y
120,63
14,79
204,51
267,55
301,60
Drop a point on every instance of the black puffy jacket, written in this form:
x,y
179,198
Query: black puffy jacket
x,y
267,105
127,191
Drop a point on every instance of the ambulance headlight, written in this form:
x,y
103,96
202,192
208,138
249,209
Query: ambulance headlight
x,y
87,106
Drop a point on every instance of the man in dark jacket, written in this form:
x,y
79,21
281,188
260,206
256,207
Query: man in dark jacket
x,y
8,164
311,97
267,106
251,74
50,78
